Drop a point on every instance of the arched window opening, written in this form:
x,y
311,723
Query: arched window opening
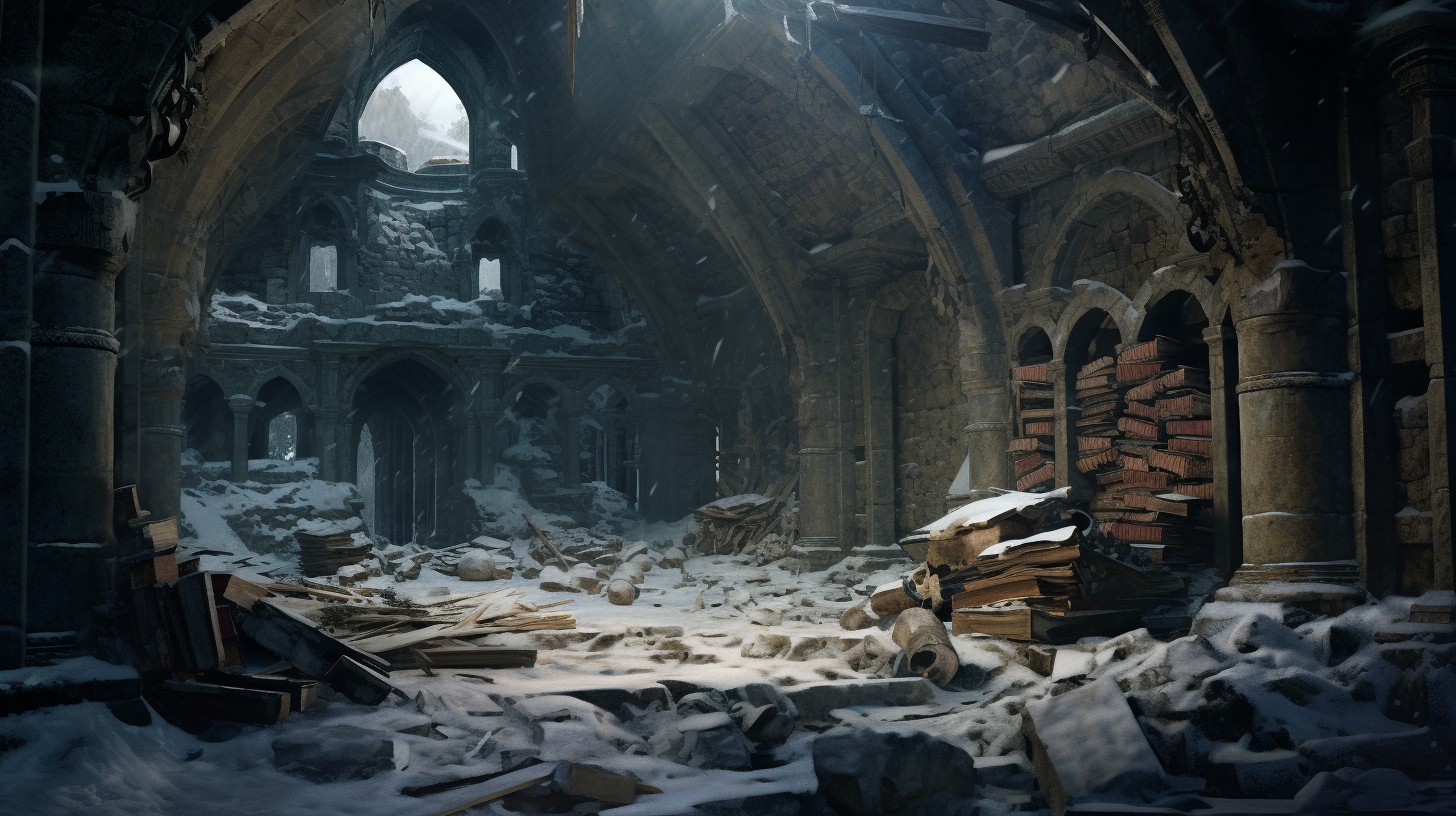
x,y
491,247
279,427
323,233
416,111
609,443
283,436
1033,458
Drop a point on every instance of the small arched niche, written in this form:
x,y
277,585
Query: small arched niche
x,y
416,111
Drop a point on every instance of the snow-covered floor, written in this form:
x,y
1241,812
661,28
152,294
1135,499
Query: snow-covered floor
x,y
717,621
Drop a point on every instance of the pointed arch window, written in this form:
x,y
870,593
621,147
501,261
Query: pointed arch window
x,y
416,111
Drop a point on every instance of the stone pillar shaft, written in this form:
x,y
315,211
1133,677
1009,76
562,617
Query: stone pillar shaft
x,y
1228,528
988,411
20,52
242,406
1425,69
1294,430
82,242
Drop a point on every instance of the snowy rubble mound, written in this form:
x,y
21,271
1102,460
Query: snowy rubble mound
x,y
731,684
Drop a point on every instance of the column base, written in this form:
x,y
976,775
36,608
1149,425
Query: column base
x,y
818,553
1322,588
881,557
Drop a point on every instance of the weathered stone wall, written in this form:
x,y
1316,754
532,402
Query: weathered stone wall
x,y
1026,84
1125,240
929,415
412,247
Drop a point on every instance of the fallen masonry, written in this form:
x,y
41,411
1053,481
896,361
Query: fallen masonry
x,y
730,685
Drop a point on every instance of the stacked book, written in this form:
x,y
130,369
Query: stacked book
x,y
324,548
996,572
1154,476
1032,462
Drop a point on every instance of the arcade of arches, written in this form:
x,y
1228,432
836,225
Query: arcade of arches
x,y
724,258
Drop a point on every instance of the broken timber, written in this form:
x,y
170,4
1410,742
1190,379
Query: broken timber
x,y
906,24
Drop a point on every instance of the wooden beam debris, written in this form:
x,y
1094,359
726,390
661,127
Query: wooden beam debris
x,y
909,25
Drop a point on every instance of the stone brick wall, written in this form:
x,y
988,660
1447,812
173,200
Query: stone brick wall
x,y
1125,239
410,247
929,415
1413,494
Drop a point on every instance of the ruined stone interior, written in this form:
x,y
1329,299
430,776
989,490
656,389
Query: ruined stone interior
x,y
677,326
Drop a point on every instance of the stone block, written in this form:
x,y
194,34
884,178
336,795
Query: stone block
x,y
1410,412
1419,752
338,752
815,702
1087,742
863,772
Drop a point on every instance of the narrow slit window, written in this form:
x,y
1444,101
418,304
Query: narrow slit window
x,y
490,277
323,268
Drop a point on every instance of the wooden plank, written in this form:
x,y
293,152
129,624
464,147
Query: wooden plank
x,y
222,702
503,785
452,784
906,24
300,692
199,619
242,592
352,679
551,548
575,779
298,640
475,657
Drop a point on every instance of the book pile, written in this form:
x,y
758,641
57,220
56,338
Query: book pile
x,y
1150,453
324,547
1031,452
995,571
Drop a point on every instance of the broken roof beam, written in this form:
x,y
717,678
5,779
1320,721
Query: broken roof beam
x,y
908,25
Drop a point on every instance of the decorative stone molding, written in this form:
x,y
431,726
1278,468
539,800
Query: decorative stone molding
x,y
75,337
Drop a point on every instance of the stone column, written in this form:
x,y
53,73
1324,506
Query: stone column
x,y
20,51
1064,420
1228,527
1294,418
168,310
986,386
1422,52
820,512
242,406
878,409
82,243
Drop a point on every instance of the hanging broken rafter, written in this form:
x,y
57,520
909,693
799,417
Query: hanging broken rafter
x,y
912,26
575,11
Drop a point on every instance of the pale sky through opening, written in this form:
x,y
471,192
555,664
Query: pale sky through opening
x,y
430,96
